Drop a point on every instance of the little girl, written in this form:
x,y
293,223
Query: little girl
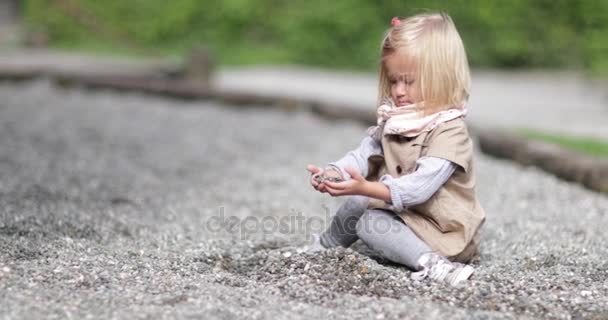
x,y
411,181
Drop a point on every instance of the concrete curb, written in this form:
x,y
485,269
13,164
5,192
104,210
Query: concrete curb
x,y
571,166
589,171
184,89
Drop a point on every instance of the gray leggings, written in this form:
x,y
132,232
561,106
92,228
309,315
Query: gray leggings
x,y
382,230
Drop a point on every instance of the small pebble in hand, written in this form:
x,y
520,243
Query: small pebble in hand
x,y
320,179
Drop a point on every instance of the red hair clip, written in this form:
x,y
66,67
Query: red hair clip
x,y
395,21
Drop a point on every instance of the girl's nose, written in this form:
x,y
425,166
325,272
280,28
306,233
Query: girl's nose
x,y
401,90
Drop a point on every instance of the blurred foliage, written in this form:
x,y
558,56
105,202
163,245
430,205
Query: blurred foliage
x,y
339,33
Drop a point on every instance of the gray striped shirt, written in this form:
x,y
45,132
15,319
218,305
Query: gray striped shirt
x,y
408,190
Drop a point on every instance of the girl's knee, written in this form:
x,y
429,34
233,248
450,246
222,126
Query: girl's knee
x,y
375,224
362,226
357,202
370,225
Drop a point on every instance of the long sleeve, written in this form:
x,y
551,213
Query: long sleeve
x,y
357,158
420,185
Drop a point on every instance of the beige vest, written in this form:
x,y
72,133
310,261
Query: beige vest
x,y
450,220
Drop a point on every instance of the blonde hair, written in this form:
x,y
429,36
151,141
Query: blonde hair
x,y
433,44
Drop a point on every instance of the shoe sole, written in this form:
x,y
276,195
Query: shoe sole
x,y
463,275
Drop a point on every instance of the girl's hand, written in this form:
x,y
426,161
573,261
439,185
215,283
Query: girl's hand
x,y
315,172
357,185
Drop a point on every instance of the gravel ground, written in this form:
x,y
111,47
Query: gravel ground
x,y
127,206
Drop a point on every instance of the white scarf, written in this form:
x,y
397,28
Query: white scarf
x,y
409,120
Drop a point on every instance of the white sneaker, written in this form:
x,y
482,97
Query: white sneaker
x,y
439,268
314,245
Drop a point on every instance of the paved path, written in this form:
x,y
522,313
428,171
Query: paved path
x,y
557,102
49,61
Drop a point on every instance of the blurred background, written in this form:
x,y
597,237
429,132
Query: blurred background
x,y
537,64
107,196
338,34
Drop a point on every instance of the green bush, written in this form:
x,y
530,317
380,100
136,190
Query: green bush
x,y
340,33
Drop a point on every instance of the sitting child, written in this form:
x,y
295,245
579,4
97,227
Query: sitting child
x,y
411,181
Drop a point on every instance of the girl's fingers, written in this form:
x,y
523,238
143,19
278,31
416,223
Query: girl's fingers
x,y
319,186
331,187
313,169
335,192
336,185
355,175
331,191
323,187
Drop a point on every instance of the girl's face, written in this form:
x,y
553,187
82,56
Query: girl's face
x,y
402,78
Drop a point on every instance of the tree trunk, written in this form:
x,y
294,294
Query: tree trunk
x,y
9,12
